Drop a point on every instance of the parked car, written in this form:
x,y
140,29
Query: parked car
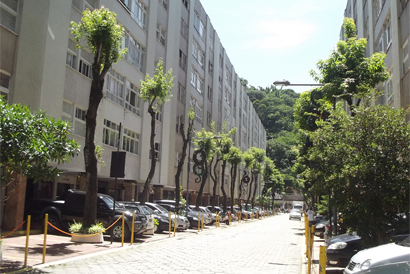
x,y
162,216
71,207
206,213
340,248
320,227
191,215
387,258
295,214
138,209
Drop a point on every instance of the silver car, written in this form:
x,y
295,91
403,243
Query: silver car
x,y
388,258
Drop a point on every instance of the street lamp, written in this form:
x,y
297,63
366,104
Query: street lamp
x,y
287,83
189,165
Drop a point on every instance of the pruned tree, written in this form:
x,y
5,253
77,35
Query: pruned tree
x,y
155,91
103,35
186,139
234,159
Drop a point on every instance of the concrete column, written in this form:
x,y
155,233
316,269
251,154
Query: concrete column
x,y
158,192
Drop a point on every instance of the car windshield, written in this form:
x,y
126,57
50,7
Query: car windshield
x,y
147,210
110,202
161,209
405,242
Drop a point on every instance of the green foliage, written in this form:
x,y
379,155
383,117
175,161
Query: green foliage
x,y
30,141
156,90
365,161
182,201
78,228
234,156
347,73
102,33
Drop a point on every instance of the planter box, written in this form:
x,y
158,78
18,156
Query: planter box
x,y
80,238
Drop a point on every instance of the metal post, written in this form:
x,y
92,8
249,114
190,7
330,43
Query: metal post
x,y
322,260
169,219
122,234
175,223
45,238
132,228
27,234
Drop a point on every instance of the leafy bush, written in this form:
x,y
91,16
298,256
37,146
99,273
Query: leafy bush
x,y
93,229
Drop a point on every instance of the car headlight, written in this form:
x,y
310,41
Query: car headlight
x,y
365,265
339,245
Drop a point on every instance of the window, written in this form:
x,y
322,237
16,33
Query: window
x,y
185,3
184,29
5,80
406,56
70,59
228,76
211,40
380,45
198,25
181,93
158,114
160,33
79,122
220,82
126,4
110,133
228,96
130,141
132,98
164,4
198,53
182,60
221,61
196,80
67,112
197,109
115,87
210,92
157,151
387,33
180,120
210,68
85,68
208,118
139,13
389,89
135,53
219,105
8,14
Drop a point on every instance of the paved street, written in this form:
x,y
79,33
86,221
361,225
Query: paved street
x,y
270,245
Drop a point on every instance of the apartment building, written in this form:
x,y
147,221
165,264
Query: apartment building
x,y
41,68
386,26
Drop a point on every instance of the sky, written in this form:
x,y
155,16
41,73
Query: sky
x,y
269,40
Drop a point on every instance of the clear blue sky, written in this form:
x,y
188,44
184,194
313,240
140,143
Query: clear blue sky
x,y
268,40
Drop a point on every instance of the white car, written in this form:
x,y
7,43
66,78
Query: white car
x,y
295,214
388,258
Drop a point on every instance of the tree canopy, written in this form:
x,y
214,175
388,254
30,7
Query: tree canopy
x,y
29,142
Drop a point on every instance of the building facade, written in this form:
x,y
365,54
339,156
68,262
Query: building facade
x,y
42,68
386,26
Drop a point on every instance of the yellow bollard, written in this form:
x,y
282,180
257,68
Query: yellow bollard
x,y
175,223
45,238
202,228
132,228
122,234
169,219
199,221
322,260
27,234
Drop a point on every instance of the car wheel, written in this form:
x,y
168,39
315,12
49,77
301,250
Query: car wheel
x,y
55,221
116,232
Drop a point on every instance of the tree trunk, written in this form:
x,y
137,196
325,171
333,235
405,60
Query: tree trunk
x,y
214,178
201,188
181,165
254,190
233,179
90,160
250,192
223,185
153,158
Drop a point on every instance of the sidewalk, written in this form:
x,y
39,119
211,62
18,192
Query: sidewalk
x,y
59,248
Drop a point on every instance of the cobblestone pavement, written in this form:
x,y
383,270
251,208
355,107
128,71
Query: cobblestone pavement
x,y
270,245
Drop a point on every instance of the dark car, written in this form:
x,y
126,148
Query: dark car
x,y
341,248
320,227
